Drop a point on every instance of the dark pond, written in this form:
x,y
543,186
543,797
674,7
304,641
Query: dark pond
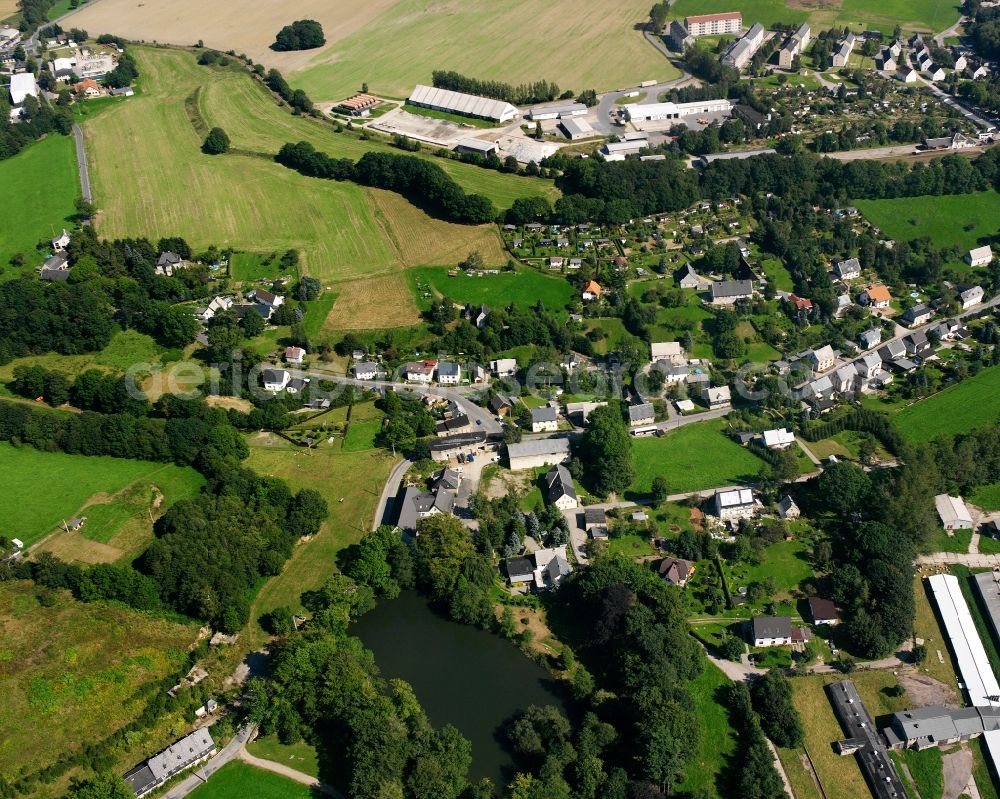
x,y
461,675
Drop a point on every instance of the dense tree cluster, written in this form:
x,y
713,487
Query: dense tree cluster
x,y
34,13
37,119
757,777
373,737
422,182
607,450
772,701
523,94
124,73
296,98
407,419
303,34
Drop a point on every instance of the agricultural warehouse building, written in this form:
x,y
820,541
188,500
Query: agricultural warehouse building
x,y
953,513
576,129
988,586
770,631
645,112
617,150
560,489
458,103
453,446
557,111
185,753
540,452
979,256
974,667
22,85
714,24
865,742
739,53
477,147
360,105
735,504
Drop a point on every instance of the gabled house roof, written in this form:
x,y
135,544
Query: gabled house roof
x,y
544,414
676,571
771,627
822,610
637,413
559,483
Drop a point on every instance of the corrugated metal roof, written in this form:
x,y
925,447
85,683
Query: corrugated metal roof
x,y
462,103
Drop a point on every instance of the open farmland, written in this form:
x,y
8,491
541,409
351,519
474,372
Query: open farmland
x,y
692,458
524,287
924,15
393,44
576,44
959,408
959,219
373,304
237,780
151,179
43,179
73,671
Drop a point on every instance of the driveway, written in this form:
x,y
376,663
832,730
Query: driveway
x,y
81,164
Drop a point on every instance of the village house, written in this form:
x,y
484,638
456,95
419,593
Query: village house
x,y
275,379
520,570
717,397
669,351
595,522
822,359
845,379
778,439
544,420
970,295
737,503
551,566
979,256
771,631
559,488
823,611
918,345
800,303
687,278
294,355
641,414
365,370
416,505
676,571
297,385
892,350
60,242
907,75
501,405
592,291
420,371
168,263
848,270
556,262
787,509
876,296
871,338
727,292
504,367
917,315
56,268
953,512
216,305
449,373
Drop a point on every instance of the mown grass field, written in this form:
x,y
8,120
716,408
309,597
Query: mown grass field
x,y
718,738
524,287
351,483
299,756
959,219
692,458
237,780
959,408
987,497
151,179
70,673
576,45
42,187
925,15
41,489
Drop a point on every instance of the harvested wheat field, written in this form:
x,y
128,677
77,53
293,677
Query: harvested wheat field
x,y
247,27
372,304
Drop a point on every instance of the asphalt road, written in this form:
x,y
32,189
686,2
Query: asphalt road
x,y
81,163
389,491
